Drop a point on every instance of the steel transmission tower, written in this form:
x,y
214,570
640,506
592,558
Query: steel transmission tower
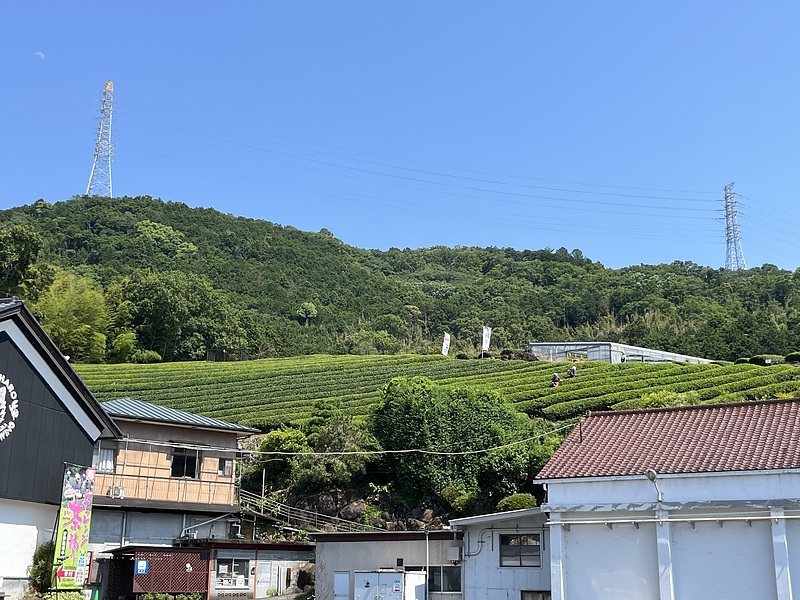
x,y
100,177
734,257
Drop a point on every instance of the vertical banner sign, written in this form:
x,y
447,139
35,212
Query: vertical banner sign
x,y
446,343
71,564
487,337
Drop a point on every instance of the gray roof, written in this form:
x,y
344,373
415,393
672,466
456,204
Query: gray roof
x,y
128,408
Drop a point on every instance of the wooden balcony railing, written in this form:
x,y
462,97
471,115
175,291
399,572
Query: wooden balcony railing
x,y
165,489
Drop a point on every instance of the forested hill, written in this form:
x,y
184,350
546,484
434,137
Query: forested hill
x,y
139,279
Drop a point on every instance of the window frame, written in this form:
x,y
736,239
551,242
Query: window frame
x,y
187,457
432,581
508,559
528,595
101,463
225,467
231,575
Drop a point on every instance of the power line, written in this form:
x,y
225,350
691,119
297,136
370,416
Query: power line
x,y
435,173
410,450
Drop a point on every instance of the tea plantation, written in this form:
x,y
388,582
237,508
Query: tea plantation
x,y
264,393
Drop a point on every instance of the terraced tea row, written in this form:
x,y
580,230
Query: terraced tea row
x,y
284,390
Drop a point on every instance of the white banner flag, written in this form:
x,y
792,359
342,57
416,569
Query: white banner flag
x,y
487,337
446,343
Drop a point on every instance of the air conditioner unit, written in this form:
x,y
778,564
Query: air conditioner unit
x,y
116,491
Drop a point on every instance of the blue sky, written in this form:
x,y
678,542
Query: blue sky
x,y
607,127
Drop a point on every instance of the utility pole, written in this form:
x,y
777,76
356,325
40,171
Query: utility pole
x,y
734,257
100,177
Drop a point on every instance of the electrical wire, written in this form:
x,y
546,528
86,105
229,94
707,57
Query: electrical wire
x,y
410,450
450,175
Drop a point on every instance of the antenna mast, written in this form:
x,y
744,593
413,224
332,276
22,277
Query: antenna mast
x,y
734,257
100,177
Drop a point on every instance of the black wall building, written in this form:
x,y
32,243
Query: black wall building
x,y
47,418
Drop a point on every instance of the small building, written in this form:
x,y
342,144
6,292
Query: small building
x,y
48,418
349,565
214,568
609,352
506,555
686,502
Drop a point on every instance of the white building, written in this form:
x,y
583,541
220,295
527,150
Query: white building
x,y
506,555
610,352
695,502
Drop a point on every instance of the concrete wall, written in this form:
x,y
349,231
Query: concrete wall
x,y
115,528
25,525
619,563
716,535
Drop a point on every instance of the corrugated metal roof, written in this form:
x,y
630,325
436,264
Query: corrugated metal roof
x,y
130,408
742,436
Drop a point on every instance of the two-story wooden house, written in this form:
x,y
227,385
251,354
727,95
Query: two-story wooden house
x,y
170,475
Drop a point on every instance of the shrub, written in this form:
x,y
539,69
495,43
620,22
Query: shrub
x,y
163,596
460,501
516,502
741,361
145,357
40,573
792,357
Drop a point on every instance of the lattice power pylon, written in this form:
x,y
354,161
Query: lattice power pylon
x,y
734,257
100,177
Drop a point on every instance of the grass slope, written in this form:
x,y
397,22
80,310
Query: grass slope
x,y
270,391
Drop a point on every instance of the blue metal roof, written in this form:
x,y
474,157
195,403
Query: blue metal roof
x,y
128,408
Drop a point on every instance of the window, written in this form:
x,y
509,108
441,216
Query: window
x,y
184,463
529,595
103,457
225,467
442,578
233,572
520,550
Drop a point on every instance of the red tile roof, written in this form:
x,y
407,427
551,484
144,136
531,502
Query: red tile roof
x,y
706,438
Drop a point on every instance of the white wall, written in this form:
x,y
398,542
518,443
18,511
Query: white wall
x,y
722,536
610,564
707,487
732,561
484,578
25,526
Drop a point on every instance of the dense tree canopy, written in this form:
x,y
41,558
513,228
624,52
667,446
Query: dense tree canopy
x,y
456,427
178,281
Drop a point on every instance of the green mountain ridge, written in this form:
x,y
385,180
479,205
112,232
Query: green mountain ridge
x,y
177,281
